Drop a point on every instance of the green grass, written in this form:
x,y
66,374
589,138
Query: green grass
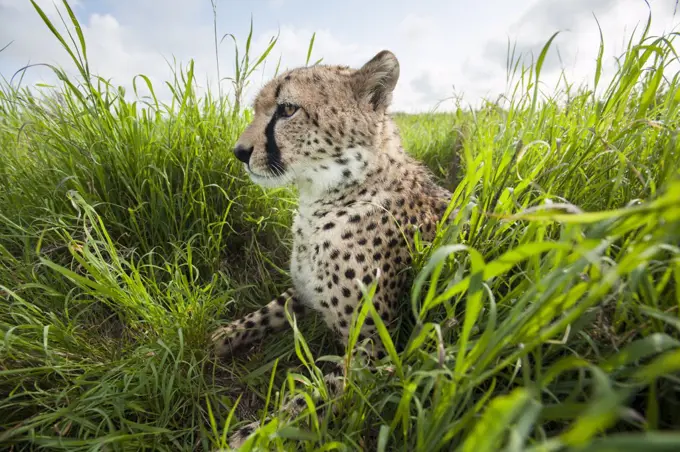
x,y
544,318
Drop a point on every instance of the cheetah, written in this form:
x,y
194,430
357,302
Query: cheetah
x,y
326,130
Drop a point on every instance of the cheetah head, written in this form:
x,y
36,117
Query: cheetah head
x,y
318,126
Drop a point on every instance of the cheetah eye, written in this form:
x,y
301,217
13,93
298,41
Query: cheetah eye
x,y
287,110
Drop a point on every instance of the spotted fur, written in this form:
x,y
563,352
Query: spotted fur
x,y
326,130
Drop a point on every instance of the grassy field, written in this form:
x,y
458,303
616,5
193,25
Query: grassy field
x,y
544,318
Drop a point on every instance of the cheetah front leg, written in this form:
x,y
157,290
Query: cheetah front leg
x,y
334,385
295,406
268,319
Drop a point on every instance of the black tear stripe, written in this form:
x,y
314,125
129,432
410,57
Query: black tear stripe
x,y
273,152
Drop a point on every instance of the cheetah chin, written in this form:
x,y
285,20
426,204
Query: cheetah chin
x,y
326,130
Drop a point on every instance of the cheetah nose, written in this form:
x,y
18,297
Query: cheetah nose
x,y
243,153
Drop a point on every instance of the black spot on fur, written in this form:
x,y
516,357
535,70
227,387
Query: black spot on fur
x,y
246,431
298,307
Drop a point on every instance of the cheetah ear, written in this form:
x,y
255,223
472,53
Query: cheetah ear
x,y
375,81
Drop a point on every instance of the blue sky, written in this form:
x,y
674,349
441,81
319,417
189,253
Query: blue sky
x,y
444,47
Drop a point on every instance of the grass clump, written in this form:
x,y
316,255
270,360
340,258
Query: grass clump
x,y
544,318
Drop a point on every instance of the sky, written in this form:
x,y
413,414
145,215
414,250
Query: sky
x,y
446,49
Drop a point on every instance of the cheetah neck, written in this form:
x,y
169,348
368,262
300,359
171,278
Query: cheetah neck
x,y
362,167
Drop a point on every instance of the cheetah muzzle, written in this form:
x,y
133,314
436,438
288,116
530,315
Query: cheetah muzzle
x,y
326,130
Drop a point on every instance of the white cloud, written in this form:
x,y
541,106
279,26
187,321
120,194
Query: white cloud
x,y
575,49
446,52
416,27
276,4
116,51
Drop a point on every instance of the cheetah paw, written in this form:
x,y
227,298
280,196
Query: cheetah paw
x,y
239,437
221,340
